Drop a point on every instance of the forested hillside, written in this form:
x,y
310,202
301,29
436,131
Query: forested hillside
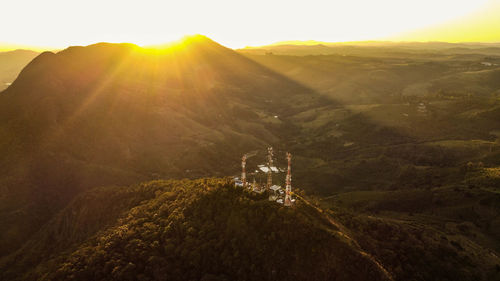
x,y
187,230
208,229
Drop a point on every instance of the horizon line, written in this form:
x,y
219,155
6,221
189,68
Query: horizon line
x,y
8,47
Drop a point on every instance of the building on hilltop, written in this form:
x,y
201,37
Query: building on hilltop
x,y
275,191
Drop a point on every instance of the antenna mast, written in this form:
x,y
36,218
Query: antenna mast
x,y
243,172
288,197
269,165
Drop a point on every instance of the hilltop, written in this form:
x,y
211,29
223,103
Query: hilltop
x,y
188,230
208,229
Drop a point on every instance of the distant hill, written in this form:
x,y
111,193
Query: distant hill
x,y
409,44
373,48
367,77
11,63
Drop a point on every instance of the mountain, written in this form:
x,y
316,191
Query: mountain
x,y
11,63
111,114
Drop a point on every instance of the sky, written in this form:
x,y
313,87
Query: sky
x,y
233,23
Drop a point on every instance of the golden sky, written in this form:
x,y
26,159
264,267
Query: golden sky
x,y
480,25
234,23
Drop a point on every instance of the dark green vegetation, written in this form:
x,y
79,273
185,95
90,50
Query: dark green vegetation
x,y
400,142
447,232
11,63
187,230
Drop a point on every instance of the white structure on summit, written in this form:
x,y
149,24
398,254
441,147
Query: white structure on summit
x,y
274,192
265,171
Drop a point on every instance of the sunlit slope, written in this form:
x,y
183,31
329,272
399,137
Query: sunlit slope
x,y
188,230
117,114
367,78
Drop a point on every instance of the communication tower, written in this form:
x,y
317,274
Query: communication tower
x,y
269,166
288,190
243,172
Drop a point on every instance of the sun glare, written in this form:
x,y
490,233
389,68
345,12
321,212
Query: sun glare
x,y
170,47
